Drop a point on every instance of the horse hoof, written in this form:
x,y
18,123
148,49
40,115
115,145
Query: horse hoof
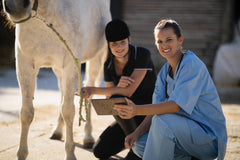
x,y
70,158
56,137
22,154
88,145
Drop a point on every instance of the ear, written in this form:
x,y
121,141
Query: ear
x,y
180,40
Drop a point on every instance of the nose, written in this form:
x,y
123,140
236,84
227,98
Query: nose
x,y
164,44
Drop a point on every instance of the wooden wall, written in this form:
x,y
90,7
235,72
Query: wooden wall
x,y
201,22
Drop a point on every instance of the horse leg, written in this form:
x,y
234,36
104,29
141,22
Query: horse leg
x,y
68,110
27,78
57,132
88,140
92,78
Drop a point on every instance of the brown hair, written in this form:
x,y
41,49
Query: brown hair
x,y
169,23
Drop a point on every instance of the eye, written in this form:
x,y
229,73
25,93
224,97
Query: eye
x,y
159,42
123,43
113,44
168,40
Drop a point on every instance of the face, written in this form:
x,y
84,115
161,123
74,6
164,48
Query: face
x,y
167,42
119,48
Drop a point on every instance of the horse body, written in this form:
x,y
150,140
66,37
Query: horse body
x,y
81,23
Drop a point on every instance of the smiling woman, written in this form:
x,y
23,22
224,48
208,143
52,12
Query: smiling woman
x,y
128,72
169,41
120,48
186,118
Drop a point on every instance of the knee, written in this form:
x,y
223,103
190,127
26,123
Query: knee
x,y
99,152
161,120
167,120
96,152
161,125
170,125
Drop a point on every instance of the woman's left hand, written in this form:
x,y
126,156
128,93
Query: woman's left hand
x,y
125,81
126,111
130,139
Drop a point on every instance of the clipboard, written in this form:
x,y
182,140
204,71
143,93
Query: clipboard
x,y
105,106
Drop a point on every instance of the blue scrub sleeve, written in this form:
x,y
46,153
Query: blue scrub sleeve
x,y
189,83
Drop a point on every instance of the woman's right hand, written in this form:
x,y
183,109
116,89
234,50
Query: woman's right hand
x,y
87,92
125,81
126,111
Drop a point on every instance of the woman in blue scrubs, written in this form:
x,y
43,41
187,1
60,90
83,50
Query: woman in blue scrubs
x,y
186,118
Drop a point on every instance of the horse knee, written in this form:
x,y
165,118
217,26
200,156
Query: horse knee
x,y
27,115
68,112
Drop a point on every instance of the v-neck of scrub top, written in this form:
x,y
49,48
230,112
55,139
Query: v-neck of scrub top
x,y
170,81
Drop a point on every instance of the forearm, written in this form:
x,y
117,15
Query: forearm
x,y
127,91
101,91
127,86
159,108
144,126
112,91
109,91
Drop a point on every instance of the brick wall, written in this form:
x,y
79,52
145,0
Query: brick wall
x,y
201,22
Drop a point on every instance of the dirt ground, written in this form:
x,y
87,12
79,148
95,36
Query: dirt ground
x,y
46,111
42,148
232,114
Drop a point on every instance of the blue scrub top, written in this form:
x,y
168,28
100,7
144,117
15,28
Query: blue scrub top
x,y
194,91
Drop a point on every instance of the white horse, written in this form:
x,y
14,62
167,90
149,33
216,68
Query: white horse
x,y
81,23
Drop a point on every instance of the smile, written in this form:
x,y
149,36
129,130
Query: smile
x,y
166,50
121,51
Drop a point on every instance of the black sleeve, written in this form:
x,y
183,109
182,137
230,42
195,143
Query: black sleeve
x,y
143,58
